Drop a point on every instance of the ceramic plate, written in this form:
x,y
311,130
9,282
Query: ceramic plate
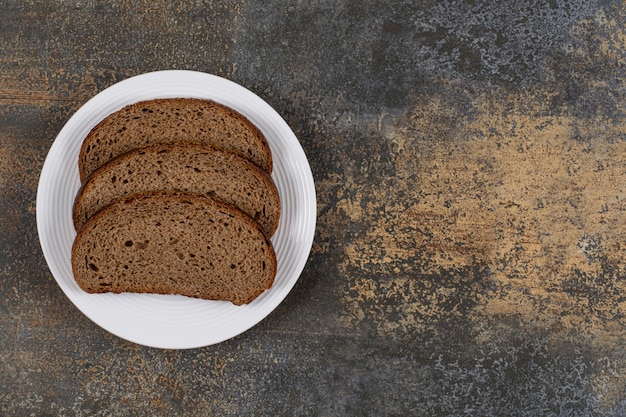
x,y
171,321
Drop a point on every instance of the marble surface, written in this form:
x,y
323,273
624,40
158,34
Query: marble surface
x,y
469,160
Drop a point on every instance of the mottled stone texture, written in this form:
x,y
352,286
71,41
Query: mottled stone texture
x,y
470,164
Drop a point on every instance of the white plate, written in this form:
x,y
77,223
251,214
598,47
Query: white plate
x,y
170,321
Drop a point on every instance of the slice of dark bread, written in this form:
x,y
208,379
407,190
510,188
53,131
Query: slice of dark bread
x,y
188,167
174,243
172,120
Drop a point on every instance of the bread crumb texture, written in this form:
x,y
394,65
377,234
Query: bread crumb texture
x,y
172,120
168,243
185,167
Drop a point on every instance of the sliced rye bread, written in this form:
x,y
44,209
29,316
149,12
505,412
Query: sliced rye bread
x,y
187,167
174,243
172,120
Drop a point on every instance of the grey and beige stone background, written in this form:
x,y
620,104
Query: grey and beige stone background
x,y
470,165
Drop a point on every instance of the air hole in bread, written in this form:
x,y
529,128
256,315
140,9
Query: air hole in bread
x,y
93,267
128,243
